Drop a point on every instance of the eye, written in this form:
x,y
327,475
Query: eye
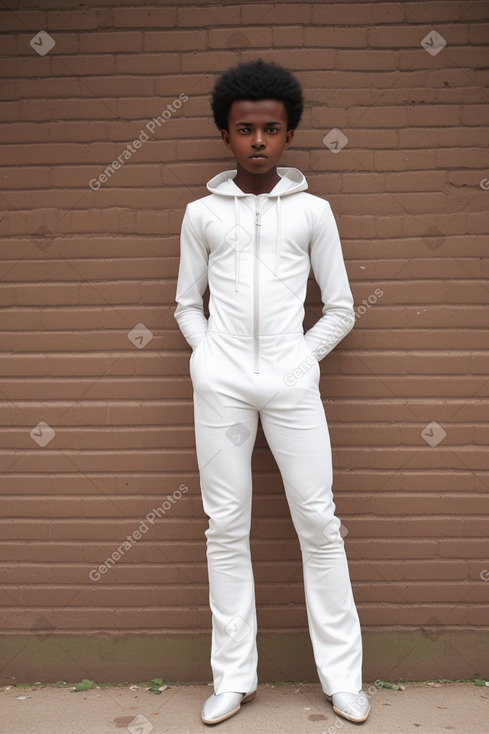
x,y
273,130
243,130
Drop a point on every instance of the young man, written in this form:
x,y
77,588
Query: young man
x,y
252,241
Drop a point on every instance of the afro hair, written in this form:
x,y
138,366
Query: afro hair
x,y
255,80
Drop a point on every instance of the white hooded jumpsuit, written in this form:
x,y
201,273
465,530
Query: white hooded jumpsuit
x,y
251,358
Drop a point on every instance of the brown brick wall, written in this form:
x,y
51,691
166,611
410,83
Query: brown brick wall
x,y
83,265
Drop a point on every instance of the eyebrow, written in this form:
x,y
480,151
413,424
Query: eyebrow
x,y
272,122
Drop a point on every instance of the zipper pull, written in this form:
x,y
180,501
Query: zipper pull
x,y
257,219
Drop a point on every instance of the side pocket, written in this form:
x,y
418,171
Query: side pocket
x,y
309,350
195,353
312,360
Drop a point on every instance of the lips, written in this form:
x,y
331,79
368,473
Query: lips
x,y
258,155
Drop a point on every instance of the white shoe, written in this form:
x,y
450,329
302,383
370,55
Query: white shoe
x,y
352,706
220,707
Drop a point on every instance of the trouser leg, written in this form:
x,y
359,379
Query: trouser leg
x,y
225,429
296,430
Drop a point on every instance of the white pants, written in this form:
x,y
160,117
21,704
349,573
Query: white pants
x,y
228,398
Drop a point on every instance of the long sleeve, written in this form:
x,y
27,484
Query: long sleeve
x,y
330,273
192,283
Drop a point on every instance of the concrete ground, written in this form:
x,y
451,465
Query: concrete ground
x,y
277,709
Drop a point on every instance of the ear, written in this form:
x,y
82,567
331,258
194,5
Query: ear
x,y
226,138
288,139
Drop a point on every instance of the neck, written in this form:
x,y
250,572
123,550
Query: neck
x,y
251,183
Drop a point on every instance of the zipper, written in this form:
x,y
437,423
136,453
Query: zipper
x,y
256,290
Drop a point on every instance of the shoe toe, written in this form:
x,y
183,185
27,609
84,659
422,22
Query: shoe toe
x,y
220,707
352,706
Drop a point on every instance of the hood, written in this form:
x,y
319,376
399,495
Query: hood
x,y
291,181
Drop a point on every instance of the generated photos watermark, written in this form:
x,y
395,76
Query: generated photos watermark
x,y
335,140
42,43
433,434
140,336
291,378
238,629
434,238
335,531
237,434
433,43
42,434
131,540
140,725
96,183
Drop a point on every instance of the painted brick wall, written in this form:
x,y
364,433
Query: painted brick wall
x,y
395,136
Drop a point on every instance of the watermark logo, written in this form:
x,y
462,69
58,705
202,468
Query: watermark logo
x,y
238,40
438,631
484,574
335,140
434,238
140,336
335,531
42,628
238,629
238,434
237,237
484,184
140,725
42,434
42,238
42,43
433,43
433,434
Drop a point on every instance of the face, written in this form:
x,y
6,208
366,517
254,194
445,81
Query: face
x,y
257,134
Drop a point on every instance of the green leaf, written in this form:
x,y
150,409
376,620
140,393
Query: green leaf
x,y
85,685
157,681
479,682
386,684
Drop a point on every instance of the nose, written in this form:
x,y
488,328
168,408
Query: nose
x,y
258,141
